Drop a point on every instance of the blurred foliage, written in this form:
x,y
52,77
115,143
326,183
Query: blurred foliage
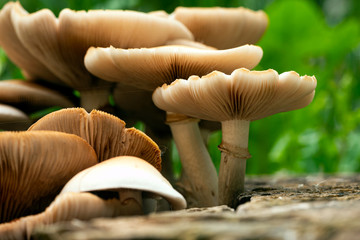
x,y
318,38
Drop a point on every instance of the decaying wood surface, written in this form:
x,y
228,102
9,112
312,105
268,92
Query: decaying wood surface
x,y
271,208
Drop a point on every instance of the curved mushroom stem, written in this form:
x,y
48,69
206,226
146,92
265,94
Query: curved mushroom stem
x,y
131,202
196,161
94,98
234,152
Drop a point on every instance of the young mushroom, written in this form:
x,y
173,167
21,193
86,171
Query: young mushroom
x,y
116,187
235,100
60,43
34,166
223,28
163,65
106,133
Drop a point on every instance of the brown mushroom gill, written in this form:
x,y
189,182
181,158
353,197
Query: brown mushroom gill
x,y
106,133
34,166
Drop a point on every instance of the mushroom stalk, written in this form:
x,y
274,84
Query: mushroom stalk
x,y
94,98
201,188
234,152
131,201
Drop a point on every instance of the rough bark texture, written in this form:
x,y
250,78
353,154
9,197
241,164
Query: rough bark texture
x,y
270,208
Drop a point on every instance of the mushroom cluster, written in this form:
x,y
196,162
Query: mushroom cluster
x,y
45,171
169,71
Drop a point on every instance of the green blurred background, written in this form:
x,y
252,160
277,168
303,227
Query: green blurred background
x,y
318,38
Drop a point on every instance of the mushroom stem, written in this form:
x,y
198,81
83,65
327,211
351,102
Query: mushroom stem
x,y
234,152
94,98
201,189
131,202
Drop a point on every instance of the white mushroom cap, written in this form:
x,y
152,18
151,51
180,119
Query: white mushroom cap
x,y
246,95
148,68
125,172
223,27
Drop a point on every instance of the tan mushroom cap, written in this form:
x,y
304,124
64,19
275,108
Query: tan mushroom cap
x,y
24,92
223,27
148,68
61,43
246,95
125,172
65,207
104,132
12,118
34,166
16,51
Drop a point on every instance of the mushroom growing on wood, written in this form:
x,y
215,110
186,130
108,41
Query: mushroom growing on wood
x,y
34,166
117,187
104,132
223,28
128,177
163,65
235,100
60,44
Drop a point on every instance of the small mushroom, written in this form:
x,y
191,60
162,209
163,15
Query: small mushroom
x,y
223,28
235,100
12,118
104,132
127,177
34,166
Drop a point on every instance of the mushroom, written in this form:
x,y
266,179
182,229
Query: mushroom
x,y
223,28
34,166
60,44
163,65
104,132
148,68
12,118
29,96
17,52
125,181
127,177
235,100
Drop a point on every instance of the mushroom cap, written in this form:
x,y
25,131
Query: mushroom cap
x,y
223,27
104,132
30,96
12,118
148,68
61,43
34,166
15,50
125,172
246,95
66,207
